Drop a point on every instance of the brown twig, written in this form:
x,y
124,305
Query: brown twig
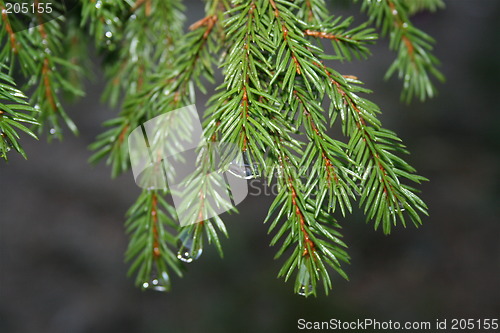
x,y
8,28
208,21
154,214
320,34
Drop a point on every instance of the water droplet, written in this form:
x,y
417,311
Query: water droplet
x,y
133,17
47,50
4,11
109,34
52,131
98,4
158,282
394,12
37,107
244,171
243,168
184,256
190,248
305,291
44,42
304,278
405,25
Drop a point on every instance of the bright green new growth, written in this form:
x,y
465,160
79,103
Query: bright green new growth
x,y
277,102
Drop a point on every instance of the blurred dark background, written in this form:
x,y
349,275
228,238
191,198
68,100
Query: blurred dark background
x,y
62,238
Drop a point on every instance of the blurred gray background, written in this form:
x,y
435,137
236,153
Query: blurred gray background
x,y
62,238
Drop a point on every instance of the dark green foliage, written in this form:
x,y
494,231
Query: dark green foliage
x,y
149,221
414,63
15,116
277,102
39,53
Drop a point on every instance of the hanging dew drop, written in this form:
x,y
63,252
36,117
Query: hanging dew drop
x,y
305,291
243,168
187,254
244,171
108,34
189,249
304,278
184,256
52,131
157,282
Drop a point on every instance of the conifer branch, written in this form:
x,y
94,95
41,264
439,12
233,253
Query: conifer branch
x,y
14,116
384,197
38,52
168,90
47,38
312,11
8,28
414,63
140,57
151,226
275,108
346,41
415,6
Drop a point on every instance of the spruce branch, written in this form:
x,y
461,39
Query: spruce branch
x,y
272,117
103,16
347,41
415,6
152,228
257,122
7,32
414,63
145,43
325,162
45,97
15,114
384,197
74,46
157,93
312,11
311,232
39,53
